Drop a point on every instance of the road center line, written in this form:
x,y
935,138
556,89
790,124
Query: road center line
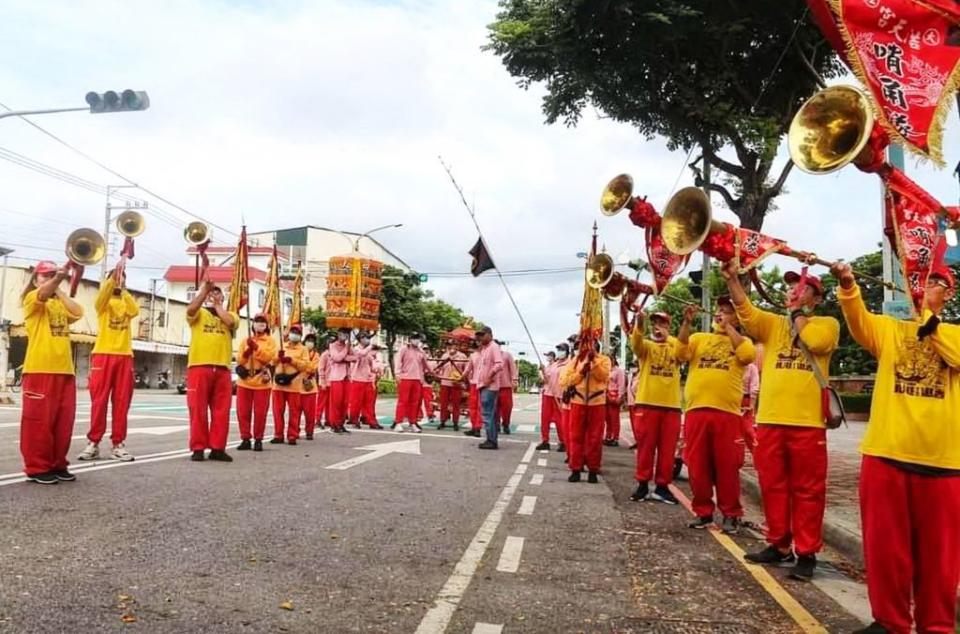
x,y
536,479
487,628
438,617
541,462
527,504
510,555
529,454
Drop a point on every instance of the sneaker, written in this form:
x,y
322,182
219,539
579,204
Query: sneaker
x,y
677,468
663,494
614,443
803,571
341,430
472,432
633,447
486,444
64,476
731,525
197,456
357,426
309,436
456,427
562,448
258,445
606,442
376,426
873,628
276,441
119,452
292,441
244,445
441,426
643,490
43,478
770,555
417,429
544,446
90,452
701,522
220,455
405,426
574,476
592,477
506,429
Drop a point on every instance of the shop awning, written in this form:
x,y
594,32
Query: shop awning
x,y
156,346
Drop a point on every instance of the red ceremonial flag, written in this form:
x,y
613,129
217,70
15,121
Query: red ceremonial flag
x,y
664,264
915,229
753,246
240,282
906,54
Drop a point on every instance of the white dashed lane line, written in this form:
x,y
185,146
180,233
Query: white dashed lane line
x,y
510,555
487,628
536,479
527,504
541,462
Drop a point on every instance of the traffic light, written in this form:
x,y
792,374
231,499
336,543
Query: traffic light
x,y
111,101
422,277
696,289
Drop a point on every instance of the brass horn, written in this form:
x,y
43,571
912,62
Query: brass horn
x,y
85,247
688,221
616,195
196,233
599,270
131,223
830,130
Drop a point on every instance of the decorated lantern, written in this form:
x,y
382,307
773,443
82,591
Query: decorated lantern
x,y
353,292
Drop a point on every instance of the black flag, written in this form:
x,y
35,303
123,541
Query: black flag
x,y
481,259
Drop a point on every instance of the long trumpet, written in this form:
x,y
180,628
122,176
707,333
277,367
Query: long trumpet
x,y
84,247
688,223
601,275
831,130
130,224
198,234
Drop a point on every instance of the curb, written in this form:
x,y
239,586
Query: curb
x,y
836,534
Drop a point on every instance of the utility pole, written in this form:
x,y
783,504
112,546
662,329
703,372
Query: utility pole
x,y
4,332
153,299
705,318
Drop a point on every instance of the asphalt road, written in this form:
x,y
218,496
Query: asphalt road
x,y
438,536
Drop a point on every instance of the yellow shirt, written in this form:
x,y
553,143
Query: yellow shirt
x,y
591,389
309,383
789,392
299,362
113,319
916,398
715,378
659,382
211,342
259,366
48,335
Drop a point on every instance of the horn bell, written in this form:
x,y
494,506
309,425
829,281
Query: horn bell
x,y
616,195
196,233
830,129
131,223
599,270
687,221
85,247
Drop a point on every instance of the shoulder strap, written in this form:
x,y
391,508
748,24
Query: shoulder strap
x,y
809,355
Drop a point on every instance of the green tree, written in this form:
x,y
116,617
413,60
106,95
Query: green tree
x,y
528,373
401,306
439,317
696,72
318,319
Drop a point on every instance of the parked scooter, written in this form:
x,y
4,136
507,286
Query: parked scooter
x,y
163,380
140,381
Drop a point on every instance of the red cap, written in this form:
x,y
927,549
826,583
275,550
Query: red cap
x,y
724,300
661,315
943,272
792,277
261,317
45,266
296,328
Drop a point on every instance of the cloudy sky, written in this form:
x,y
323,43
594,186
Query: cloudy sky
x,y
333,114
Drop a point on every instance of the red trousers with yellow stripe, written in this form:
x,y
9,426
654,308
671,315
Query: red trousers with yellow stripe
x,y
110,382
46,421
209,396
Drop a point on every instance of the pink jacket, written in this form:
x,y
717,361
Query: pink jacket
x,y
508,376
489,366
454,366
362,371
751,380
470,371
323,371
617,385
551,380
410,364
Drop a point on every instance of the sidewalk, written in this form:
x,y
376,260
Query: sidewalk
x,y
841,522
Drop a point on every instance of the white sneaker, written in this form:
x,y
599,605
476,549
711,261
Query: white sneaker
x,y
90,452
402,427
417,429
120,453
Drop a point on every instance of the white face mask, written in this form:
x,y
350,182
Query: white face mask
x,y
342,336
364,341
259,328
294,337
416,343
309,345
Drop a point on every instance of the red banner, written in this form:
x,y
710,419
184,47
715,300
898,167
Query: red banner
x,y
917,242
753,247
905,53
663,263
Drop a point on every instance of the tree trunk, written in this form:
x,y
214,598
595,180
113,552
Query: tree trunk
x,y
391,340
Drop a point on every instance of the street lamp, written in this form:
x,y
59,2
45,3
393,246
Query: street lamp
x,y
110,101
355,242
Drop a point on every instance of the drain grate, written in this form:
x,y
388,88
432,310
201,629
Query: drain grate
x,y
672,626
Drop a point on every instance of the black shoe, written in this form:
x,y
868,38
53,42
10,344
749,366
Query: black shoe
x,y
803,571
244,445
472,432
633,447
43,478
731,525
258,445
663,494
701,522
220,455
357,426
677,467
562,448
873,628
376,426
197,456
441,426
544,446
486,444
276,441
574,476
292,441
592,477
643,490
614,443
606,442
64,476
506,430
770,555
456,427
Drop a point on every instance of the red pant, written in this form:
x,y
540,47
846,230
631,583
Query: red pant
x,y
549,413
713,460
504,406
337,403
791,463
110,379
255,402
564,430
323,402
748,435
427,403
659,429
46,421
209,397
363,402
308,404
612,416
280,402
911,546
450,403
409,393
473,406
634,423
586,436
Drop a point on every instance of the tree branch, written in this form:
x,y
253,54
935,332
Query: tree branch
x,y
774,191
737,171
728,198
809,65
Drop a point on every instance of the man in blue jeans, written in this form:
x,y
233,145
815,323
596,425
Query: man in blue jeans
x,y
488,367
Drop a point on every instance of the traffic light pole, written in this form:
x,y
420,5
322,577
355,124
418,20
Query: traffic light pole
x,y
22,113
705,318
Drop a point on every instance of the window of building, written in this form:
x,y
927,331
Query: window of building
x,y
191,293
261,297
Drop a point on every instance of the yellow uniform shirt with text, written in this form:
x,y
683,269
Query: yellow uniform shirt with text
x,y
659,382
715,377
789,391
113,320
211,341
48,335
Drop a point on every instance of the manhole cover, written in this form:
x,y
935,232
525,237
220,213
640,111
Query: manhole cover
x,y
670,626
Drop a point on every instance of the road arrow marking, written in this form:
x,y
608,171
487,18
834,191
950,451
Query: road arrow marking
x,y
379,451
